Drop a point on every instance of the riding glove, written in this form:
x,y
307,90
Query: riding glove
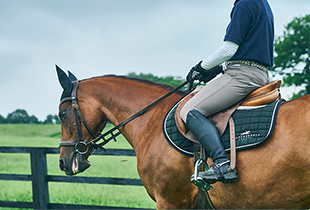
x,y
195,72
199,73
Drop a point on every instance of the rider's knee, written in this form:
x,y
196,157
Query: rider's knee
x,y
183,113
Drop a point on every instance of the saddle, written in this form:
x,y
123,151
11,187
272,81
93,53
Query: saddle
x,y
261,96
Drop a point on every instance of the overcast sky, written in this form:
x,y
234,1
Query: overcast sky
x,y
98,37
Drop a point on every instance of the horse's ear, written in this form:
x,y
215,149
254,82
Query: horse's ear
x,y
71,76
63,79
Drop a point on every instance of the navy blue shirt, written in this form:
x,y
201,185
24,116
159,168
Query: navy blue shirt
x,y
252,28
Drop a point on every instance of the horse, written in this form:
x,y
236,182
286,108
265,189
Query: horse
x,y
273,175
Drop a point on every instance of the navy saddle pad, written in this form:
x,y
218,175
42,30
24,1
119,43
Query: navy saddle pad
x,y
253,125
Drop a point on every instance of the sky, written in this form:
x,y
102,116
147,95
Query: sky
x,y
99,37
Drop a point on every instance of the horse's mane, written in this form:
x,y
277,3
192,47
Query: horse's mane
x,y
164,86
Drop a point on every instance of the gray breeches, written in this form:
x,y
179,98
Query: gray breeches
x,y
238,81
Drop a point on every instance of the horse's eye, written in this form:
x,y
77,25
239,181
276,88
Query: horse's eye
x,y
62,114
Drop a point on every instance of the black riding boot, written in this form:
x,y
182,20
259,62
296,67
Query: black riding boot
x,y
206,133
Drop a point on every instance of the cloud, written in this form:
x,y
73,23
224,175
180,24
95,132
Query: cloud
x,y
97,37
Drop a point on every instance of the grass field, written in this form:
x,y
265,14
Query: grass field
x,y
24,135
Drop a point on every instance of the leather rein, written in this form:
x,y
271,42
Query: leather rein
x,y
79,143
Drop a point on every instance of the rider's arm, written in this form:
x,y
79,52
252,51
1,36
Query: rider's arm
x,y
225,52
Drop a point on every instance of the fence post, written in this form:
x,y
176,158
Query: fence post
x,y
39,178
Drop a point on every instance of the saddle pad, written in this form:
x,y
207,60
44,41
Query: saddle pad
x,y
253,125
175,138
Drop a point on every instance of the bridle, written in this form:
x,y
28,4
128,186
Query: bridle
x,y
77,119
79,143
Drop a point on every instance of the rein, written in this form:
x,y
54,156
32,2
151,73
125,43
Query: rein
x,y
81,143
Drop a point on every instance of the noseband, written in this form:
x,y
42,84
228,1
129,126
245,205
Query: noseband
x,y
79,143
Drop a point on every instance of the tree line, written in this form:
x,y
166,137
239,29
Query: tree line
x,y
174,81
21,116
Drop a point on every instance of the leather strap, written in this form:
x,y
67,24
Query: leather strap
x,y
232,143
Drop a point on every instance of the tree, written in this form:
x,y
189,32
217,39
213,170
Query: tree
x,y
2,119
170,80
292,59
21,116
51,119
56,119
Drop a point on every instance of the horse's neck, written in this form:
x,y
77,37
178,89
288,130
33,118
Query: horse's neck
x,y
121,98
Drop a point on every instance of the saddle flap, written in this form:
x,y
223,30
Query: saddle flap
x,y
180,123
220,119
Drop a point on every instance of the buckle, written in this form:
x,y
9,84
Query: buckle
x,y
218,165
79,148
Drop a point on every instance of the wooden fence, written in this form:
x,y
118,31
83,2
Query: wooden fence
x,y
40,179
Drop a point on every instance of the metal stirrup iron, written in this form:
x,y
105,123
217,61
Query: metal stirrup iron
x,y
198,181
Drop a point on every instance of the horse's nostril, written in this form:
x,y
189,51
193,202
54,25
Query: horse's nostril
x,y
62,164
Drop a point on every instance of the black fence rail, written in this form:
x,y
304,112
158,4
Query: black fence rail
x,y
40,179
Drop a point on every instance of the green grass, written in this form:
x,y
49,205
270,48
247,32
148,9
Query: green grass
x,y
24,135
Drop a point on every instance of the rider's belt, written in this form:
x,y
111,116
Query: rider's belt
x,y
249,63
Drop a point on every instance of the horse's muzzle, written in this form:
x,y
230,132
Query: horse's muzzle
x,y
76,164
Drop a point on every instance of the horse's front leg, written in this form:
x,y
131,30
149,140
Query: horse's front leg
x,y
175,191
189,201
166,175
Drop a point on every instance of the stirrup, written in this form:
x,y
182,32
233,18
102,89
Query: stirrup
x,y
198,181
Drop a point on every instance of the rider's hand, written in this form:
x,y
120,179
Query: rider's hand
x,y
209,74
195,72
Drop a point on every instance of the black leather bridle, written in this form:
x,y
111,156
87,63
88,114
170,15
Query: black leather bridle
x,y
79,143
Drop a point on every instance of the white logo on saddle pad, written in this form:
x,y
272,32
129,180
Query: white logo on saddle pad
x,y
247,135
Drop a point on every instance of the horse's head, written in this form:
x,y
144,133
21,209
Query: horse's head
x,y
76,131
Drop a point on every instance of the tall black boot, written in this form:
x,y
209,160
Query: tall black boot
x,y
206,133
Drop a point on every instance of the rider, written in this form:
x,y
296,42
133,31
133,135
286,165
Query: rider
x,y
248,51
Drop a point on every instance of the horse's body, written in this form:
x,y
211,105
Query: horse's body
x,y
273,175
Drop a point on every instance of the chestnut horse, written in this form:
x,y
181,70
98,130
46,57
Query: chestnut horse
x,y
275,174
